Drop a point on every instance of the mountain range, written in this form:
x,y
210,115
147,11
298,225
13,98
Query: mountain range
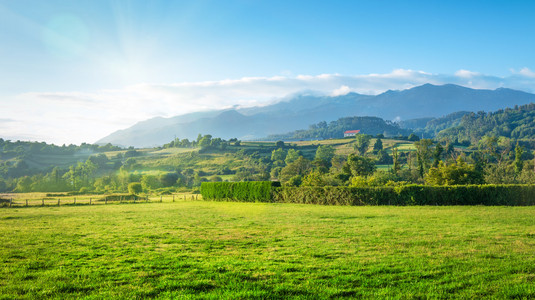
x,y
414,107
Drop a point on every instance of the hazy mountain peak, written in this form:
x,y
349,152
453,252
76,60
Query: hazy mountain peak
x,y
299,112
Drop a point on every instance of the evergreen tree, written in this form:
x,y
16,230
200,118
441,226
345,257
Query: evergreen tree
x,y
519,163
437,154
362,143
423,154
395,158
378,145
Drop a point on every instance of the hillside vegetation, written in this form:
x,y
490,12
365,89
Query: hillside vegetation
x,y
470,148
516,123
335,129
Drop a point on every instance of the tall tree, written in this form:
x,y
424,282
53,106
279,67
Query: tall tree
x,y
278,155
423,154
206,141
519,163
362,143
378,146
292,156
437,154
299,167
395,158
359,165
325,153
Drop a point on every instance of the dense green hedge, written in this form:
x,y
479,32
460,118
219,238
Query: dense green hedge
x,y
404,195
410,195
249,191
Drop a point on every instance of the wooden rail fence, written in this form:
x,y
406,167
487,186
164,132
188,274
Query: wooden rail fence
x,y
95,200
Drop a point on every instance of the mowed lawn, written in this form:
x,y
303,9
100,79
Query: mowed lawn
x,y
242,250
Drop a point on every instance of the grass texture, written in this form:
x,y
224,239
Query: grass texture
x,y
194,249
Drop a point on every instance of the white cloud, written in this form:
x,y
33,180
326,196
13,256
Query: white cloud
x,y
74,117
466,74
342,90
526,72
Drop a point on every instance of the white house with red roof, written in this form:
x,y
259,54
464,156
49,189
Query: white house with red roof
x,y
351,132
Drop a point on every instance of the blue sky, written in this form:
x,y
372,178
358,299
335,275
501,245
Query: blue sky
x,y
61,57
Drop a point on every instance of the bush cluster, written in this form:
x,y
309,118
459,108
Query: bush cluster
x,y
119,197
249,191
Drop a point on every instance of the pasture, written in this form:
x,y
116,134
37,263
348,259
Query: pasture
x,y
240,250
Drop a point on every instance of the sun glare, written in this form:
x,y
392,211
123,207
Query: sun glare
x,y
66,36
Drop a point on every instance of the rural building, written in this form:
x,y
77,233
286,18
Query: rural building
x,y
351,133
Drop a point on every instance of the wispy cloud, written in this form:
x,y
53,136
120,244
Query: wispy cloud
x,y
65,97
65,117
524,72
7,120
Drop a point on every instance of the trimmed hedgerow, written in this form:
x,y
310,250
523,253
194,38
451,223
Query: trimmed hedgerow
x,y
249,191
513,195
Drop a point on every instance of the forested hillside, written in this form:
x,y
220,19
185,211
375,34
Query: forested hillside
x,y
433,126
517,123
25,158
335,129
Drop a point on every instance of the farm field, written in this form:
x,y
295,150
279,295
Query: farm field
x,y
240,250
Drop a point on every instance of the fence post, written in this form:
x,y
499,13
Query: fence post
x,y
161,198
173,198
58,201
106,200
26,202
10,202
197,197
74,201
89,201
147,198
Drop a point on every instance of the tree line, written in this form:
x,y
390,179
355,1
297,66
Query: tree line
x,y
366,161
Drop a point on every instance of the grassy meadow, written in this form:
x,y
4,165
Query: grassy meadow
x,y
241,250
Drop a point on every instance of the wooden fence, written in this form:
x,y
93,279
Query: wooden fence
x,y
20,201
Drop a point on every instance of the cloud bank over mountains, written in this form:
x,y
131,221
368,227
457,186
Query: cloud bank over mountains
x,y
75,117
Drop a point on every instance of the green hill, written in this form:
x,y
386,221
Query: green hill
x,y
517,123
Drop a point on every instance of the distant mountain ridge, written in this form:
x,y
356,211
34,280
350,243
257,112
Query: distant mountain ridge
x,y
298,112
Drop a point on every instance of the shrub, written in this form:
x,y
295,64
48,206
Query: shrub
x,y
249,191
85,190
135,188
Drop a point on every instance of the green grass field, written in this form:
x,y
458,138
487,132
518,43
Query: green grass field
x,y
241,250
